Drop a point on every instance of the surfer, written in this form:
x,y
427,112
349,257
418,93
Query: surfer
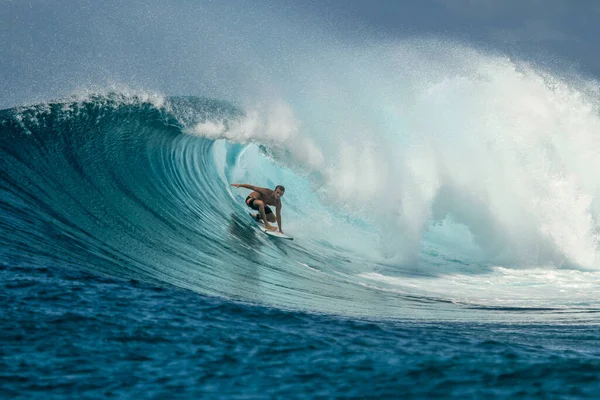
x,y
260,199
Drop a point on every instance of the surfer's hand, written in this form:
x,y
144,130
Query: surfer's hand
x,y
237,185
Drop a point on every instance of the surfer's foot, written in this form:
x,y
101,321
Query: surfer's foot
x,y
271,227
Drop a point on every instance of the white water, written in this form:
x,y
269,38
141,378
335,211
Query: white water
x,y
439,144
436,143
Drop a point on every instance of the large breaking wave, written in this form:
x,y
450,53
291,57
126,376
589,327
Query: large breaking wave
x,y
406,186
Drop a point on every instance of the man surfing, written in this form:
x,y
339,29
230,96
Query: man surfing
x,y
260,199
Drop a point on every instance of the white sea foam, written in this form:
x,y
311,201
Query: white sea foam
x,y
500,287
420,134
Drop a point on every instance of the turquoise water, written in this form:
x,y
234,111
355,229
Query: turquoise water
x,y
130,268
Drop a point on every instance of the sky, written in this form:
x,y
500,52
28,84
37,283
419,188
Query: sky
x,y
50,48
562,28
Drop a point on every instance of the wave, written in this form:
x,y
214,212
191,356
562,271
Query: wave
x,y
388,206
115,183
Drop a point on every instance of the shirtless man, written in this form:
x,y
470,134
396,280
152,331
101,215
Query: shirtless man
x,y
260,200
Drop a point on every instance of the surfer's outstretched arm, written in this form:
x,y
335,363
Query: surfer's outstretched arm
x,y
243,185
261,190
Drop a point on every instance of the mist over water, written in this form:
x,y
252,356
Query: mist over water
x,y
491,156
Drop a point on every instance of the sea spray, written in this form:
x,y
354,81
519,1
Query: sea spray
x,y
414,134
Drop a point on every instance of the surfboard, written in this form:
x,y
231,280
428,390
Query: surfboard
x,y
275,234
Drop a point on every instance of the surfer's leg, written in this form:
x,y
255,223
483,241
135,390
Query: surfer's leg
x,y
270,216
261,210
250,203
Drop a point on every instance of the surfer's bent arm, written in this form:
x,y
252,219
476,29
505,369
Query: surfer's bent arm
x,y
278,215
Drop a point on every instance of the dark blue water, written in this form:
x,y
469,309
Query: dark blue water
x,y
69,334
130,269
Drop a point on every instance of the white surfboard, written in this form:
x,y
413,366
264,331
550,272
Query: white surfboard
x,y
276,234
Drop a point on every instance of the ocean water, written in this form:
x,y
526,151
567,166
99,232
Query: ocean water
x,y
130,267
443,198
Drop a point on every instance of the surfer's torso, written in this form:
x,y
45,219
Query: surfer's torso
x,y
267,199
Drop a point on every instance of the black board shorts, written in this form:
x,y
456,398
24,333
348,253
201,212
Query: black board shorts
x,y
250,203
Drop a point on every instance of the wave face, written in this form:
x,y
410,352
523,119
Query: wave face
x,y
414,221
113,183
